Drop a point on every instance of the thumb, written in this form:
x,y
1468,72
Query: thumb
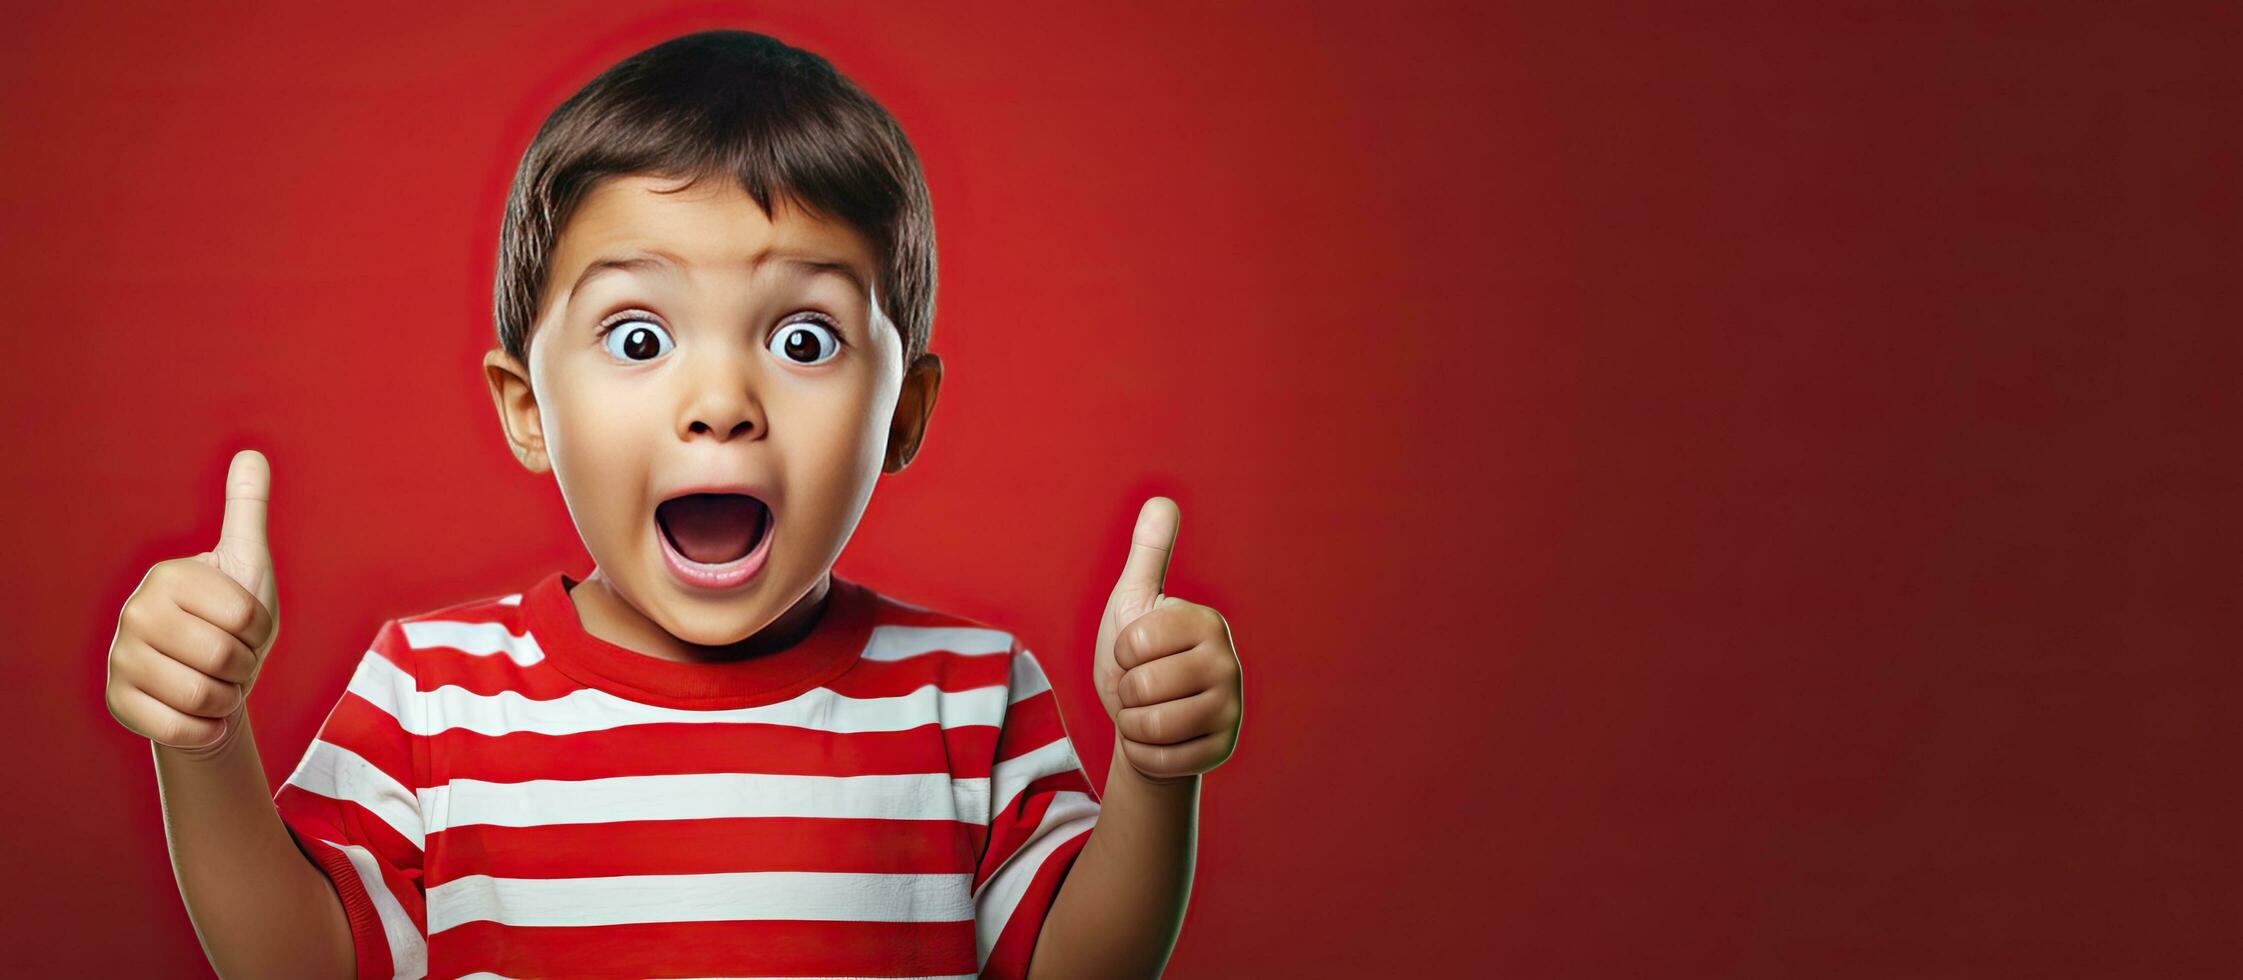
x,y
1146,571
242,552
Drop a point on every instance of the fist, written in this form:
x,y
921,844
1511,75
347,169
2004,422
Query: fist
x,y
192,636
1165,668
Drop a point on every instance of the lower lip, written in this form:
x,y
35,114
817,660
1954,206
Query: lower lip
x,y
731,574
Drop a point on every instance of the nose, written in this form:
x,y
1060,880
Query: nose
x,y
722,401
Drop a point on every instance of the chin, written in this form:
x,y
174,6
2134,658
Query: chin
x,y
699,616
711,628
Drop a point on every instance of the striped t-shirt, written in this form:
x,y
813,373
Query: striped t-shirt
x,y
501,793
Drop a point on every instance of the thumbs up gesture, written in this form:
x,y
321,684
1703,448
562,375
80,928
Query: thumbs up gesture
x,y
192,636
1165,667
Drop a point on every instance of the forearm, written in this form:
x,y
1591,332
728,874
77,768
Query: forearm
x,y
1120,908
260,907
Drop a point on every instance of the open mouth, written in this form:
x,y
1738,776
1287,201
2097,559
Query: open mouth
x,y
713,528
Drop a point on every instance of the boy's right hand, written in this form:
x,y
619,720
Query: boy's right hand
x,y
191,638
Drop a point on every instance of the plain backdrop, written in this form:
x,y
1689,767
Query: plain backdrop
x,y
1745,490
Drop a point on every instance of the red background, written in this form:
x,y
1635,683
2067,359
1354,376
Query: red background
x,y
1739,492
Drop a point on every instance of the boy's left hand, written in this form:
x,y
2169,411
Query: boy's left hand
x,y
1165,667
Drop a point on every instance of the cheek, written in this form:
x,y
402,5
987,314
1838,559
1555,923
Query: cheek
x,y
872,441
860,439
596,446
838,449
867,453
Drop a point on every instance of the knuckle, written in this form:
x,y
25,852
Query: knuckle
x,y
134,617
198,699
1157,723
219,653
239,662
154,672
1139,686
134,722
171,694
1227,669
240,614
167,574
124,667
1135,636
176,694
212,697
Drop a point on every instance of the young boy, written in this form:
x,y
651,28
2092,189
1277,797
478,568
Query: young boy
x,y
710,756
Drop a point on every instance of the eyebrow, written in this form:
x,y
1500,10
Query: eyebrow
x,y
653,260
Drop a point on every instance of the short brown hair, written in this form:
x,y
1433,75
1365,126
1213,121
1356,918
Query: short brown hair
x,y
735,104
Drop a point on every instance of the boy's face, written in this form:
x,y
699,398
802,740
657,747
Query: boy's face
x,y
754,357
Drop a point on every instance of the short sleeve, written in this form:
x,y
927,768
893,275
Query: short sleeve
x,y
1042,808
351,807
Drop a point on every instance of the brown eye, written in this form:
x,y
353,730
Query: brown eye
x,y
636,340
805,342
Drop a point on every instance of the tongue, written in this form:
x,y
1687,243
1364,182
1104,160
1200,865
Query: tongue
x,y
712,528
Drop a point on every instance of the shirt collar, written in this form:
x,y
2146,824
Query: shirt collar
x,y
831,648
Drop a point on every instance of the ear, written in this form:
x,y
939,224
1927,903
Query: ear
x,y
914,403
517,408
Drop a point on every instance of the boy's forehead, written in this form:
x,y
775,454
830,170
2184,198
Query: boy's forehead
x,y
712,224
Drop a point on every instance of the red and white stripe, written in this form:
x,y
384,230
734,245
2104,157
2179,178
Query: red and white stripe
x,y
484,814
